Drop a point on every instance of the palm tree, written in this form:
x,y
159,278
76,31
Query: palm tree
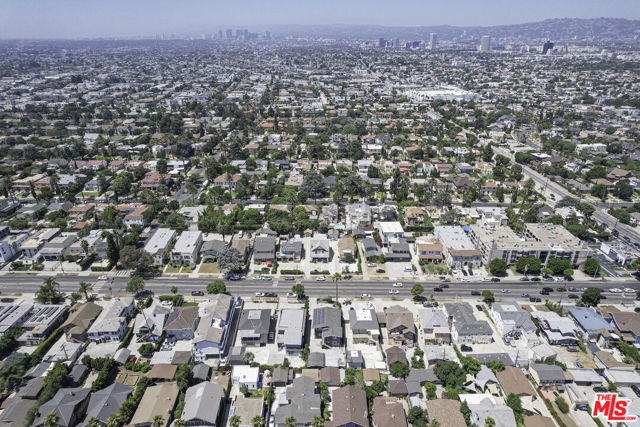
x,y
94,422
158,421
85,246
179,423
290,422
234,421
113,420
85,288
268,395
336,278
51,420
257,421
317,421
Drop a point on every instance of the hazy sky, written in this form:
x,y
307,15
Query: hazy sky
x,y
103,18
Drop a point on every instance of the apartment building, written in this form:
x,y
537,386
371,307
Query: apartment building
x,y
459,250
187,248
159,243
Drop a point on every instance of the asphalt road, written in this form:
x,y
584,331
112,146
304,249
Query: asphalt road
x,y
346,289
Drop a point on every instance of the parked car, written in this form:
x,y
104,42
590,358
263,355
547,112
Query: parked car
x,y
291,295
534,299
465,347
259,294
535,279
197,293
289,278
365,296
573,296
419,298
267,278
495,279
524,279
635,389
371,264
320,279
486,279
270,294
380,270
579,365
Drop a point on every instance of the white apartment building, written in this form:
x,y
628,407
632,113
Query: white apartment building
x,y
187,248
159,243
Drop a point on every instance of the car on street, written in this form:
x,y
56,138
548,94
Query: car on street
x,y
102,278
320,279
437,289
561,289
397,285
291,295
476,293
628,290
506,291
549,279
535,279
572,289
394,291
525,295
270,294
267,278
347,302
535,299
365,296
197,293
259,294
466,279
444,285
495,279
573,296
234,277
615,290
524,279
446,280
486,279
547,289
289,278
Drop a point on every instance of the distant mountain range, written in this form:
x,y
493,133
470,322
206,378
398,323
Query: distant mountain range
x,y
605,30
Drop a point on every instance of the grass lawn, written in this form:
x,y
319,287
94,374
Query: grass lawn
x,y
189,304
209,267
435,268
172,269
186,269
542,307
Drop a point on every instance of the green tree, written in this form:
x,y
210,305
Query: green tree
x,y
94,422
567,272
85,288
450,373
489,422
513,401
183,377
298,289
49,292
257,421
470,365
430,389
158,421
235,420
591,297
623,189
113,252
174,290
216,287
591,267
399,370
487,296
135,259
135,284
51,420
528,265
498,267
290,422
417,289
417,417
229,259
495,365
600,191
558,265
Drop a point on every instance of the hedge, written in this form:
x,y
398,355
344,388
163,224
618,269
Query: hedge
x,y
295,271
40,351
127,338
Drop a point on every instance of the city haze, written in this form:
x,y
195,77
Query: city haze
x,y
81,19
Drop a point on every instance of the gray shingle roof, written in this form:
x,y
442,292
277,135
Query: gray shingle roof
x,y
202,403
